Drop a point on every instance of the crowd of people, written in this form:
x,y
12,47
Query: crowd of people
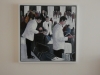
x,y
38,27
57,14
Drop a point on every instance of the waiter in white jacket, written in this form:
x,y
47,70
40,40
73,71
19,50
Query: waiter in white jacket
x,y
29,34
47,26
59,38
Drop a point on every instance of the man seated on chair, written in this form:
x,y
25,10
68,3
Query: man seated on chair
x,y
41,39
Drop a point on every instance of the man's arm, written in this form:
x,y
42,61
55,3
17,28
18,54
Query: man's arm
x,y
62,39
34,25
35,31
58,37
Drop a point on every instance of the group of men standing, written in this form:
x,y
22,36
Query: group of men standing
x,y
57,14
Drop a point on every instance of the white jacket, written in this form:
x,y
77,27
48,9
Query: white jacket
x,y
30,30
45,25
58,37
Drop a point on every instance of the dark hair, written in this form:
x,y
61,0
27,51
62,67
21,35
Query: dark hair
x,y
55,22
68,25
47,17
38,18
63,18
31,15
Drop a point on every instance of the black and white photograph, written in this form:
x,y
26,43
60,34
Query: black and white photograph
x,y
48,33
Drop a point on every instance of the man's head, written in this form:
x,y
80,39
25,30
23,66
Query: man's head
x,y
47,19
31,15
40,29
43,11
63,20
38,19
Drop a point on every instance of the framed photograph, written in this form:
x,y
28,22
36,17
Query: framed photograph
x,y
48,33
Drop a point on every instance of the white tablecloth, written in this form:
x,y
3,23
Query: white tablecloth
x,y
67,49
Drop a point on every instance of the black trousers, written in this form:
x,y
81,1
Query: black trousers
x,y
30,47
59,52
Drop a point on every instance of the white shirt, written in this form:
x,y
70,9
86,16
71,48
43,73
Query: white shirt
x,y
30,30
45,25
58,37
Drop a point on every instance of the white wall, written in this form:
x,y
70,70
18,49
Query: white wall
x,y
38,8
88,40
26,9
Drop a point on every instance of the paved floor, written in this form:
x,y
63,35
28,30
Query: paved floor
x,y
24,54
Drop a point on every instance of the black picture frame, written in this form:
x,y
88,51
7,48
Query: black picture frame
x,y
72,9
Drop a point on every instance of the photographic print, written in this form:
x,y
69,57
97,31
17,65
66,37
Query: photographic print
x,y
48,33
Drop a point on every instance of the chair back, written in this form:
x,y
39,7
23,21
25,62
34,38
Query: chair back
x,y
42,47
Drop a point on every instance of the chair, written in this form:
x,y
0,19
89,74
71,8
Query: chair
x,y
41,49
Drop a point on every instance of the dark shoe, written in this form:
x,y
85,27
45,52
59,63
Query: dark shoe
x,y
31,57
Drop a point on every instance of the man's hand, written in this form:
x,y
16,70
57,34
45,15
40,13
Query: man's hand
x,y
40,28
44,32
70,36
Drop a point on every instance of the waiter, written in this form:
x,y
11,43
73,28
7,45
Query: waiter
x,y
29,34
59,38
47,27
